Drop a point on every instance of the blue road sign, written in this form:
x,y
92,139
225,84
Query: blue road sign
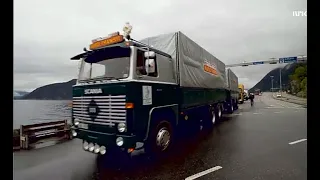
x,y
258,62
288,59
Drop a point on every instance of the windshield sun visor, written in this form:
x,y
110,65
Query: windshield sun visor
x,y
107,53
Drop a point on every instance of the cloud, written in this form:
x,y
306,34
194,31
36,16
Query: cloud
x,y
48,33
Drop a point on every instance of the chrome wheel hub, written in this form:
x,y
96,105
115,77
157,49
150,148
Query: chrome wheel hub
x,y
163,138
213,117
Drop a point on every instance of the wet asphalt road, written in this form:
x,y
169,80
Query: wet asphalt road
x,y
252,143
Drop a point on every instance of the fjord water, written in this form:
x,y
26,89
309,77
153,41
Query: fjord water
x,y
35,111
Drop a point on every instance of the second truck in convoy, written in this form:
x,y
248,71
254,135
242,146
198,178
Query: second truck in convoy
x,y
133,94
241,93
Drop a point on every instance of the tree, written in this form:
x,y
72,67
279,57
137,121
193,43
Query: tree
x,y
298,80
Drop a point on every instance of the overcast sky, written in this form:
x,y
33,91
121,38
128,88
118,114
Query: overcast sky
x,y
47,33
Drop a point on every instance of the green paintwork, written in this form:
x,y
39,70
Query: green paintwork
x,y
196,96
162,95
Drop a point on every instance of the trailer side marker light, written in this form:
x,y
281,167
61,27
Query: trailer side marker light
x,y
129,105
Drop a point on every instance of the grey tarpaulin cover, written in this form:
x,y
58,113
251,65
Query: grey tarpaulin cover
x,y
190,59
231,80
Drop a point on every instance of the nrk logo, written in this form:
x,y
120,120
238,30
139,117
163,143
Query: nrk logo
x,y
299,13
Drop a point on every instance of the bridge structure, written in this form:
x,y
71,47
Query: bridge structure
x,y
282,60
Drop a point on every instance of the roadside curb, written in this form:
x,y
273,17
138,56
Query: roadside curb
x,y
304,105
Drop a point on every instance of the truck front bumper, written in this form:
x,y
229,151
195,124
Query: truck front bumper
x,y
109,141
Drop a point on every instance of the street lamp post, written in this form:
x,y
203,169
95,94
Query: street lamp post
x,y
280,82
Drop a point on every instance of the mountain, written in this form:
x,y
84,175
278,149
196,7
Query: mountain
x,y
56,91
265,84
19,94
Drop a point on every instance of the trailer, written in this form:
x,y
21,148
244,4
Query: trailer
x,y
233,90
145,94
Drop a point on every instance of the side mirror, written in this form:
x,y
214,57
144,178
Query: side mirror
x,y
149,54
150,66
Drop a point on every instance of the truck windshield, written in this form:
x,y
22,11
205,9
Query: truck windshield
x,y
107,64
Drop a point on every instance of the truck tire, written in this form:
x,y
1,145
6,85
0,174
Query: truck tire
x,y
213,116
236,105
219,112
216,114
160,139
231,107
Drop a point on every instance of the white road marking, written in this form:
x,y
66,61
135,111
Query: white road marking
x,y
282,105
239,114
257,113
274,107
298,141
299,108
203,173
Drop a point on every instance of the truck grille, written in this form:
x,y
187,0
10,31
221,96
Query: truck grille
x,y
111,109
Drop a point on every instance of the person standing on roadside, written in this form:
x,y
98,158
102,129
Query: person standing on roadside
x,y
251,97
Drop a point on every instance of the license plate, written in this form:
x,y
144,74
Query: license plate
x,y
83,126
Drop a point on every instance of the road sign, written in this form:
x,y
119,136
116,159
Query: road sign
x,y
258,62
288,59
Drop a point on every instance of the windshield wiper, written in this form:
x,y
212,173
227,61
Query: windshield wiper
x,y
100,78
107,78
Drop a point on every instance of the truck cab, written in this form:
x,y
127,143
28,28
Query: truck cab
x,y
241,93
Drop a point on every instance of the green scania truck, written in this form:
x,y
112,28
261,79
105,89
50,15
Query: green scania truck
x,y
143,94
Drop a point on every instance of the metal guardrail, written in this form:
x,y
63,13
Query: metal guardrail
x,y
34,134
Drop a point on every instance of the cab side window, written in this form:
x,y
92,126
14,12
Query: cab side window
x,y
141,66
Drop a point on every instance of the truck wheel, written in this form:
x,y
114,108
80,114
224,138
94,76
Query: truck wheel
x,y
236,105
217,114
231,109
160,139
213,116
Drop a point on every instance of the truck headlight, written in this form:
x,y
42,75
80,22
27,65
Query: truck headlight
x,y
121,127
76,122
85,145
91,147
74,133
103,150
119,141
96,148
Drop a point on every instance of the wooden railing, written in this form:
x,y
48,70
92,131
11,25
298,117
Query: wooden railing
x,y
35,134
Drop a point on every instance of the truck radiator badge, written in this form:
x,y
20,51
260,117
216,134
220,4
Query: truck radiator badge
x,y
92,91
93,110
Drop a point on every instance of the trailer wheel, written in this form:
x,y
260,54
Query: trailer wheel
x,y
219,112
231,108
236,105
213,117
